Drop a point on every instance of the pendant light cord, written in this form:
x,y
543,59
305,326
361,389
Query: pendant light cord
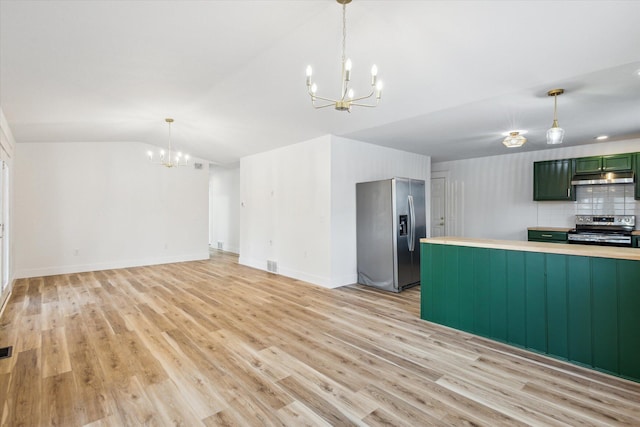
x,y
344,34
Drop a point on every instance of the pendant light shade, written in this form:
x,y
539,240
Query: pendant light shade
x,y
555,134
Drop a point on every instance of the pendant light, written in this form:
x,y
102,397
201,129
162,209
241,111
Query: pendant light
x,y
555,133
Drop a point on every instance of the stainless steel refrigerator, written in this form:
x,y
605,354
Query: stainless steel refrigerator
x,y
391,220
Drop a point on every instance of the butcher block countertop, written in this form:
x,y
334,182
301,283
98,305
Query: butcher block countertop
x,y
551,248
559,229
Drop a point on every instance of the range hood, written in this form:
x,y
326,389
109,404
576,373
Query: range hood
x,y
603,178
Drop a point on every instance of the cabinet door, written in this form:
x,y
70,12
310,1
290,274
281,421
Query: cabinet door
x,y
637,168
589,164
552,180
618,162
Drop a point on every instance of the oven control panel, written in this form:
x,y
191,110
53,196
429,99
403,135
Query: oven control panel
x,y
607,220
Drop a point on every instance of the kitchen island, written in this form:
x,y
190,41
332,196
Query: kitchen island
x,y
578,303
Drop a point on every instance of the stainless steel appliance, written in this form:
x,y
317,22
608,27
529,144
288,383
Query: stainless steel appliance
x,y
390,221
608,230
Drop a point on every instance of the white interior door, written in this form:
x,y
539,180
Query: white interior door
x,y
438,217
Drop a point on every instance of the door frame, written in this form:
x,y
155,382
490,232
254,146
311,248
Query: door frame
x,y
446,176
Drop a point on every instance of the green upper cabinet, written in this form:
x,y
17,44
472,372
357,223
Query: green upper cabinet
x,y
616,162
589,164
637,173
552,180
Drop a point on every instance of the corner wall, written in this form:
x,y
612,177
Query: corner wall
x,y
298,205
352,162
95,206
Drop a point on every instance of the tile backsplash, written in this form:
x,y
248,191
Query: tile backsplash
x,y
614,199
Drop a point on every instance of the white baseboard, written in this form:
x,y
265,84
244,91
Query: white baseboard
x,y
325,282
111,265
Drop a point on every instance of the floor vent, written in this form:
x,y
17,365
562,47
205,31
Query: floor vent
x,y
5,352
272,266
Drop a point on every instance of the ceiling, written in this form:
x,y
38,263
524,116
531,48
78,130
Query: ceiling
x,y
457,74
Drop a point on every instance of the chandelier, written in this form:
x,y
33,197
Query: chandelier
x,y
347,99
555,133
172,158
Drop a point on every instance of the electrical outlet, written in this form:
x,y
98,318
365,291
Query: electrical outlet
x,y
76,252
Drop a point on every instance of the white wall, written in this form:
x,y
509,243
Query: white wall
x,y
299,204
224,208
285,210
93,206
492,197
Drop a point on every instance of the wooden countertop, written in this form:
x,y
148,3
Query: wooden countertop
x,y
635,233
551,248
560,229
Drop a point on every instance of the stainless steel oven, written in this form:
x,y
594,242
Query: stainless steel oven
x,y
607,230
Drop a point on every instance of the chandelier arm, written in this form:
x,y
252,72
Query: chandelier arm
x,y
365,105
363,97
324,99
317,107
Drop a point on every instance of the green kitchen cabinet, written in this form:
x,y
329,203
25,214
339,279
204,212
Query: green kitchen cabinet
x,y
589,164
581,309
637,174
635,241
552,180
617,162
611,163
550,236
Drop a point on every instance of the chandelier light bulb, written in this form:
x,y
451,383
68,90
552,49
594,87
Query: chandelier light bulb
x,y
379,87
314,88
374,70
150,154
309,74
350,94
348,64
347,70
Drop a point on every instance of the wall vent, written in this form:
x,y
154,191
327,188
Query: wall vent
x,y
197,165
220,245
272,266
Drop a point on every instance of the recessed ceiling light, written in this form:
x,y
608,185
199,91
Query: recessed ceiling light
x,y
601,137
520,131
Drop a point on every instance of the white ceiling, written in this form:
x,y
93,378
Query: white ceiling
x,y
457,73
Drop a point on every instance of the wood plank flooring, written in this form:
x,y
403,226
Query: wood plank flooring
x,y
215,343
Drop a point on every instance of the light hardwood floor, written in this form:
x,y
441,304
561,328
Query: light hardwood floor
x,y
216,343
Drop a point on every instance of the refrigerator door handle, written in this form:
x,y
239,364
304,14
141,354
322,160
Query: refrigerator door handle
x,y
412,225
